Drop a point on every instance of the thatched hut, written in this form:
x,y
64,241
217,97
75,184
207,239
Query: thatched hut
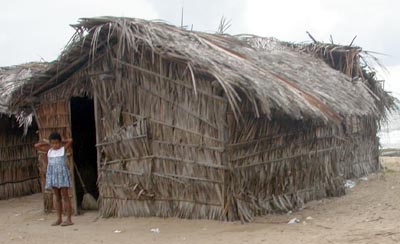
x,y
19,173
181,123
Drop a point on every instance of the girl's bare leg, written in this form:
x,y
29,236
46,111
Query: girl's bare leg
x,y
57,193
67,204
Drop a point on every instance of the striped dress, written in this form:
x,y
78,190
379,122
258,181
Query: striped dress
x,y
57,174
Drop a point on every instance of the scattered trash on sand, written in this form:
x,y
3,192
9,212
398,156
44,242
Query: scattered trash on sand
x,y
364,178
289,212
155,230
294,221
309,218
117,231
349,184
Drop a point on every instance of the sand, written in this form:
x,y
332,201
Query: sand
x,y
369,213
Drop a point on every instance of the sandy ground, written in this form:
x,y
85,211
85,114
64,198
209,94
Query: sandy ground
x,y
369,213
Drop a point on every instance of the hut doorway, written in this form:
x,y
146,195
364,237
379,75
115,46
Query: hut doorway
x,y
84,146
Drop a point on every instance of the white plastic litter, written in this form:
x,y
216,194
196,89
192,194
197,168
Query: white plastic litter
x,y
289,212
349,184
364,178
309,218
155,230
117,231
294,221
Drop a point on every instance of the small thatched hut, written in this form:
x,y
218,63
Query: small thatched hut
x,y
181,123
19,173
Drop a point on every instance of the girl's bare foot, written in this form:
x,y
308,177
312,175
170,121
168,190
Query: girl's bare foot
x,y
57,222
67,223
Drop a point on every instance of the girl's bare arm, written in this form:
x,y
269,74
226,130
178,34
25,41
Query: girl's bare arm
x,y
67,143
42,146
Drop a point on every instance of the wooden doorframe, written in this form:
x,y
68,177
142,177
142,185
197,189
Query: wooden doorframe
x,y
71,157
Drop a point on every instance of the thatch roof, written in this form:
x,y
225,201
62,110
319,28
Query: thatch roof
x,y
13,79
357,64
273,75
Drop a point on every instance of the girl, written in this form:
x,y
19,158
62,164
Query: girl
x,y
57,174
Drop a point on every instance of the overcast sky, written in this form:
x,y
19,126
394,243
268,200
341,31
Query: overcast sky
x,y
34,30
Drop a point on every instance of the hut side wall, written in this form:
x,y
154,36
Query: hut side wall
x,y
280,164
360,154
18,160
161,145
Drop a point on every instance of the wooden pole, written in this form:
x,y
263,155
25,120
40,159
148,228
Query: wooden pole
x,y
97,125
74,198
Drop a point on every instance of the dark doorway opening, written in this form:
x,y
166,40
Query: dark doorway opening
x,y
84,145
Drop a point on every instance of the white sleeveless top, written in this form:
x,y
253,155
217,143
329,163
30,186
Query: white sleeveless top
x,y
52,153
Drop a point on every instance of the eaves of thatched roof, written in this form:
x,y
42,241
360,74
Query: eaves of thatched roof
x,y
273,76
13,79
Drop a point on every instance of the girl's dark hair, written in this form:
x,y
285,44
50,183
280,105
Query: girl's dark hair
x,y
55,136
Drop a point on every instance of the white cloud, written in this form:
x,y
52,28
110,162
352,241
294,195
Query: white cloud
x,y
392,80
32,30
40,28
288,20
376,23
